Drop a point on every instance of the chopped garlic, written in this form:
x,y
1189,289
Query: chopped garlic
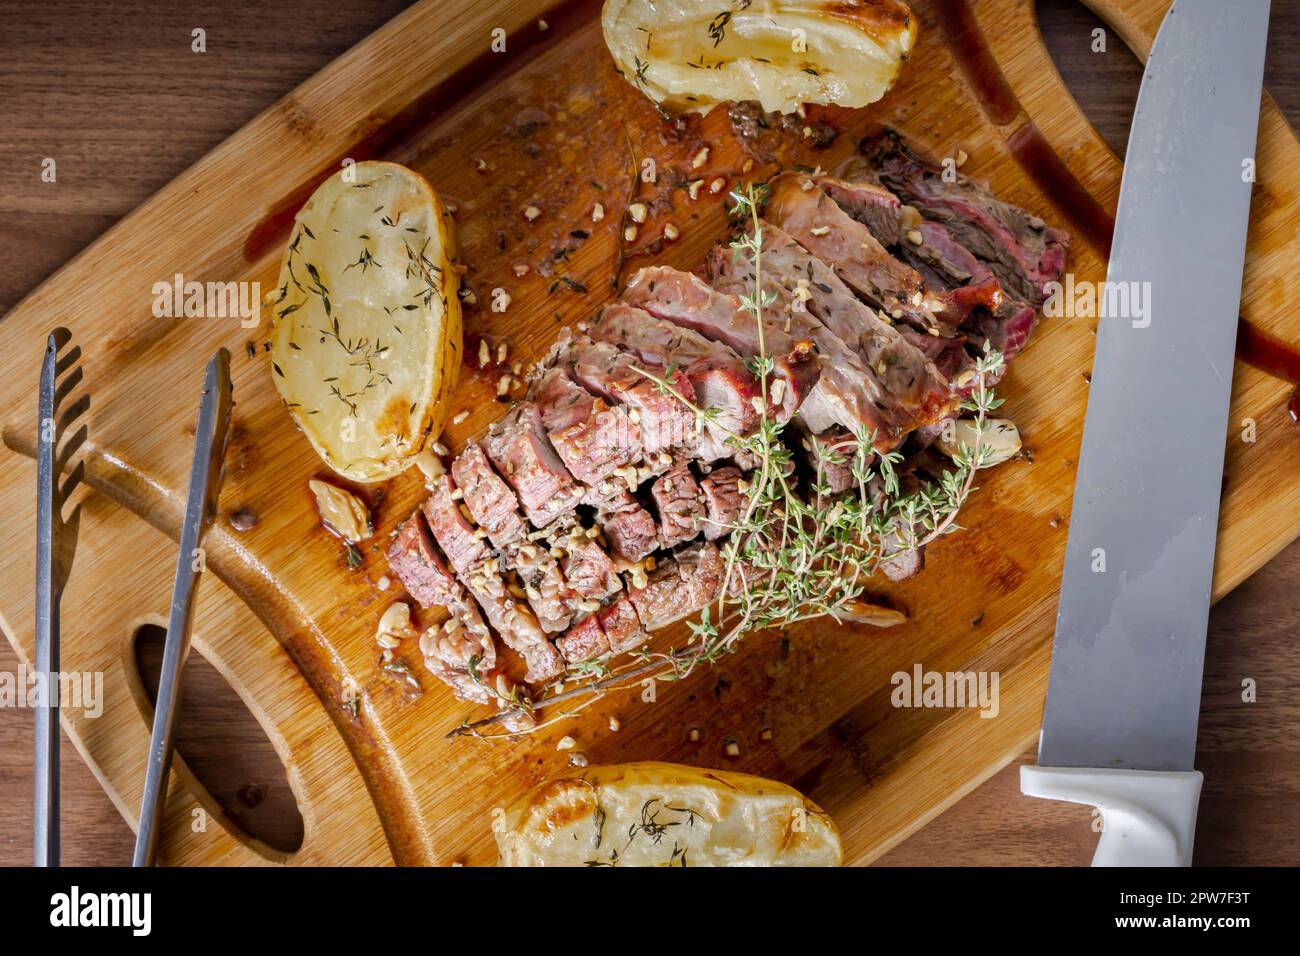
x,y
395,625
342,511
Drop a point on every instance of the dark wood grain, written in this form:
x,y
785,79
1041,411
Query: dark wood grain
x,y
114,94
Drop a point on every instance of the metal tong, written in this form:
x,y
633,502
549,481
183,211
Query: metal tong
x,y
56,543
206,472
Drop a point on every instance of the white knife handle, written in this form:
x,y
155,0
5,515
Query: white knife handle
x,y
1148,816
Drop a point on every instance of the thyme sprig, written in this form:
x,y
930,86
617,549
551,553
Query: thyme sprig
x,y
792,557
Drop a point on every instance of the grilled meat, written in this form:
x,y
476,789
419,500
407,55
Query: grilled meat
x,y
586,518
1021,250
680,505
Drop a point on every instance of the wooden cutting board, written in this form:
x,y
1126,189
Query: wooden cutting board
x,y
557,128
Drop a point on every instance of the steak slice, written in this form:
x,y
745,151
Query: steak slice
x,y
591,438
723,501
678,586
1006,322
488,498
680,505
584,642
831,455
607,371
628,528
544,586
888,218
415,561
872,379
589,573
622,626
1021,250
685,300
515,622
448,655
718,375
613,629
518,447
815,221
458,539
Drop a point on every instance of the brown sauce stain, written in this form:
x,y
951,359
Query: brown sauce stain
x,y
1087,217
972,53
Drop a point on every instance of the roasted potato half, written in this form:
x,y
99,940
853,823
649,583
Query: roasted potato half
x,y
689,55
664,814
366,324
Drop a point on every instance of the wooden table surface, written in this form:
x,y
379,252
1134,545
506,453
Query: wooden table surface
x,y
115,94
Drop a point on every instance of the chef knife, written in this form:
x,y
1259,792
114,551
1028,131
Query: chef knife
x,y
1123,697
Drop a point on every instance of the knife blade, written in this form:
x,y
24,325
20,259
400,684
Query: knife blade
x,y
1125,683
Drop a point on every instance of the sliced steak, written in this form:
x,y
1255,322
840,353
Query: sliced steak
x,y
831,455
469,643
622,626
414,559
481,575
610,373
678,586
612,630
723,501
1005,320
679,503
872,379
589,574
521,452
1021,250
513,621
718,375
888,218
686,300
904,565
628,528
591,438
812,218
544,586
488,498
451,528
584,642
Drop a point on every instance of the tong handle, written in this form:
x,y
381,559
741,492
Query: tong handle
x,y
200,505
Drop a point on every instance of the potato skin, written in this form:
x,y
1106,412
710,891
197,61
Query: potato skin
x,y
664,814
366,322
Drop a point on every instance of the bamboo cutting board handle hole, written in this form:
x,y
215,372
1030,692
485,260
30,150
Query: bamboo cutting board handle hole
x,y
251,798
1108,106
